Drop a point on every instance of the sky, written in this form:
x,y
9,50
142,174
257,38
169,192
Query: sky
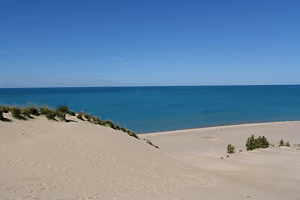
x,y
95,43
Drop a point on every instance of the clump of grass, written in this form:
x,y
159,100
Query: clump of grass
x,y
4,109
132,134
16,113
109,123
88,117
64,109
257,143
149,142
50,114
61,116
98,121
230,148
80,115
117,127
281,143
27,111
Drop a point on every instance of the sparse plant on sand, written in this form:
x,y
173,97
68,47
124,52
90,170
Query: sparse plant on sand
x,y
149,142
61,116
27,111
50,114
2,110
87,116
230,148
110,124
16,113
281,143
260,142
64,109
80,115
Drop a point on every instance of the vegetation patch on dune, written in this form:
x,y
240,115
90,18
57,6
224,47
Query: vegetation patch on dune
x,y
60,114
256,143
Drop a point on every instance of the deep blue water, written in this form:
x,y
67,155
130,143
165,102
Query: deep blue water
x,y
153,109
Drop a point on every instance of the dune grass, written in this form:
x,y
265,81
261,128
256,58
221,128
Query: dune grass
x,y
230,149
281,143
257,143
60,113
4,109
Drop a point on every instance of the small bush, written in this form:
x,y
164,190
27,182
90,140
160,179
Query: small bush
x,y
50,114
260,142
117,127
149,142
133,134
64,109
79,116
110,124
71,113
123,129
281,143
16,113
1,116
61,116
230,148
96,120
5,109
27,111
87,116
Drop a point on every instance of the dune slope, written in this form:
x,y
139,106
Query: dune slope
x,y
42,159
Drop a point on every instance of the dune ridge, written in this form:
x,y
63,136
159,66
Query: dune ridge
x,y
44,159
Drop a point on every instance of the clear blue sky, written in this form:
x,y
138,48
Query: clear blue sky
x,y
137,43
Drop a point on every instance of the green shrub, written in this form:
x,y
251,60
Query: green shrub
x,y
123,129
3,109
98,121
230,148
27,111
79,116
109,123
50,114
117,127
149,142
61,116
1,116
260,142
64,109
45,110
132,134
16,113
281,143
250,143
87,116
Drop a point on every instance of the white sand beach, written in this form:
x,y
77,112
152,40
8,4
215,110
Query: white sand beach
x,y
42,159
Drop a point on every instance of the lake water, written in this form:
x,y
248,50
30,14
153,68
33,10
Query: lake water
x,y
154,109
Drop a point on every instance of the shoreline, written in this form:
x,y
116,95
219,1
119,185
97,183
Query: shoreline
x,y
219,127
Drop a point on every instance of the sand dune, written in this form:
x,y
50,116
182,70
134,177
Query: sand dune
x,y
42,159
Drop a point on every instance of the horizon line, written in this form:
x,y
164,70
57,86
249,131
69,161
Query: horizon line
x,y
148,86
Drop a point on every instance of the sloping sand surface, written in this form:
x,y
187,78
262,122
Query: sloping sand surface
x,y
42,159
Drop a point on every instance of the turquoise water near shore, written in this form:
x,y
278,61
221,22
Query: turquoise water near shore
x,y
154,109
